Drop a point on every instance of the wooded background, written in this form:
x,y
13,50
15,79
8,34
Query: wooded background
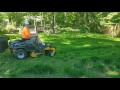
x,y
95,22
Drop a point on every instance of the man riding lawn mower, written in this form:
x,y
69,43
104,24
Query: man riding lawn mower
x,y
30,45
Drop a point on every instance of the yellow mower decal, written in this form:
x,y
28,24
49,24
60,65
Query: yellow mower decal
x,y
33,54
50,48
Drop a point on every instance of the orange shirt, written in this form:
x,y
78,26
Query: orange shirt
x,y
25,33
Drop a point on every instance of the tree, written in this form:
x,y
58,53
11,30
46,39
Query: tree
x,y
53,21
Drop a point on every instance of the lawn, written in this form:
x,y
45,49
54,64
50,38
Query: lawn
x,y
78,56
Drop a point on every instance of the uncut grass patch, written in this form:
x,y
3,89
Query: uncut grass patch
x,y
39,69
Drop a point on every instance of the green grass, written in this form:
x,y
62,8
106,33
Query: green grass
x,y
78,56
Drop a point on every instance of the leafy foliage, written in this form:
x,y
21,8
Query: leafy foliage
x,y
84,21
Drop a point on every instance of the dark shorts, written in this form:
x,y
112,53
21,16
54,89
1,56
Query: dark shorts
x,y
24,39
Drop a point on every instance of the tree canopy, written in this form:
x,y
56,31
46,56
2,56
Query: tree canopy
x,y
84,21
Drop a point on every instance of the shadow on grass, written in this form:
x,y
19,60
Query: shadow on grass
x,y
19,69
94,67
39,69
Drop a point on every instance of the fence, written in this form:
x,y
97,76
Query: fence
x,y
114,29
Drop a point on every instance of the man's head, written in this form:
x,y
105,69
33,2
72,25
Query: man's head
x,y
27,24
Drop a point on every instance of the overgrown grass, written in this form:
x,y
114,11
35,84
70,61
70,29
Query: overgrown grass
x,y
78,55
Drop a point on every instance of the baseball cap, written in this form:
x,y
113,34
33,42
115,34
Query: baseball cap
x,y
27,23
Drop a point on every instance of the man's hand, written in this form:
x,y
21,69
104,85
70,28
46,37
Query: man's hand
x,y
34,35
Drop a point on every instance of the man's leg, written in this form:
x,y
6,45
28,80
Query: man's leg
x,y
39,45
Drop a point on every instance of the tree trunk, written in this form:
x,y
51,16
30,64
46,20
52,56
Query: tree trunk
x,y
53,22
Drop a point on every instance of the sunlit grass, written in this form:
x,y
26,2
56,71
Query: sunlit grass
x,y
78,55
113,73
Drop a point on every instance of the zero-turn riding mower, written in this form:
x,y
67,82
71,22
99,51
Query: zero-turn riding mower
x,y
31,47
22,49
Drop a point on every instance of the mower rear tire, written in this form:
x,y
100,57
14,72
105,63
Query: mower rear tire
x,y
21,54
